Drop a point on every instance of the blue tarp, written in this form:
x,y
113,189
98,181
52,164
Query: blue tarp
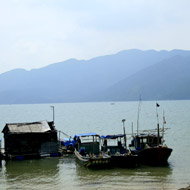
x,y
112,136
68,139
85,135
68,142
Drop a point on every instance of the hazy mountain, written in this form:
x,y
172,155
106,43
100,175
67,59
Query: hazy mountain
x,y
166,80
121,76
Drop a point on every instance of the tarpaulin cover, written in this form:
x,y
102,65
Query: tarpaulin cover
x,y
85,135
112,136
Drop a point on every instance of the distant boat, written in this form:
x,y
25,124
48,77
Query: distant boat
x,y
114,145
149,145
88,152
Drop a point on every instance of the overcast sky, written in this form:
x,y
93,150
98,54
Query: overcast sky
x,y
36,33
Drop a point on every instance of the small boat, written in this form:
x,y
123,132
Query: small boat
x,y
115,146
68,145
149,144
149,148
87,151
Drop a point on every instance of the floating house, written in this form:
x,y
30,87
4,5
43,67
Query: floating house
x,y
30,140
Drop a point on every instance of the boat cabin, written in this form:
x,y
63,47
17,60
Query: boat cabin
x,y
87,143
114,144
142,141
30,139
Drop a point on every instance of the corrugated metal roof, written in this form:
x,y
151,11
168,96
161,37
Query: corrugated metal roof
x,y
36,127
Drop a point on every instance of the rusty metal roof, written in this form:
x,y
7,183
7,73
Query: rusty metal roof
x,y
35,127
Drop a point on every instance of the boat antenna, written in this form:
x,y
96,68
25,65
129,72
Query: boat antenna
x,y
139,107
158,128
125,139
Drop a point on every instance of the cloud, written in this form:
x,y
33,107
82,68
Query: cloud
x,y
35,33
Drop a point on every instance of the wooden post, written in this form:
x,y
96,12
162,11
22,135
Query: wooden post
x,y
124,133
93,146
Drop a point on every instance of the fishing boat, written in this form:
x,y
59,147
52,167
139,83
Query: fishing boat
x,y
150,149
115,146
149,145
87,151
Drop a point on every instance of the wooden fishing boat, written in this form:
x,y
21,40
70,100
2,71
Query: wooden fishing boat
x,y
87,151
149,144
150,149
115,146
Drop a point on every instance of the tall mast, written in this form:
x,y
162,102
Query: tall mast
x,y
123,120
132,129
139,107
158,128
164,122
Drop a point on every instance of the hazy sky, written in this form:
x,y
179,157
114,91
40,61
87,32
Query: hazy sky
x,y
36,33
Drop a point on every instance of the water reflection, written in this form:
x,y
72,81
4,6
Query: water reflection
x,y
142,177
28,173
66,173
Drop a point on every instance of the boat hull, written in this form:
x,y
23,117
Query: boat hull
x,y
154,156
93,162
125,161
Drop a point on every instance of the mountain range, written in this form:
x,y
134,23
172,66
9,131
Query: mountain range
x,y
155,75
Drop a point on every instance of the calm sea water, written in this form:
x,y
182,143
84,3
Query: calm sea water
x,y
103,118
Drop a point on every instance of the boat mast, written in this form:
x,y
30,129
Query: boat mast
x,y
158,128
123,120
164,122
139,106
